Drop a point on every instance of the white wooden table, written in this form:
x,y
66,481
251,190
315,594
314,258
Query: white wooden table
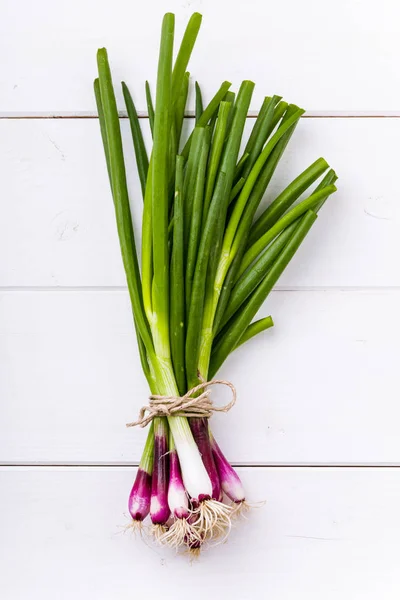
x,y
324,450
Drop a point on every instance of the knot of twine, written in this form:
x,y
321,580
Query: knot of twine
x,y
184,406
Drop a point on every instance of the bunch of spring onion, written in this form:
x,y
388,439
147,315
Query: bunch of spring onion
x,y
207,266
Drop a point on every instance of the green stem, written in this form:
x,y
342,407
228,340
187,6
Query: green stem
x,y
228,165
150,107
234,330
208,113
147,246
184,53
310,203
261,136
191,177
162,122
147,459
255,328
236,189
194,328
142,349
244,227
215,154
228,253
103,130
257,125
177,314
329,178
286,198
142,160
180,107
120,196
199,102
252,277
239,166
197,212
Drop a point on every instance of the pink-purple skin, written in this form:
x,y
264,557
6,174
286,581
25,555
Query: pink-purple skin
x,y
199,427
139,498
177,496
194,544
230,481
159,509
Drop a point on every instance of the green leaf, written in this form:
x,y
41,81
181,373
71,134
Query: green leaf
x,y
197,212
256,328
184,53
208,113
177,289
310,203
247,218
234,330
150,107
215,154
142,160
159,198
119,187
180,107
199,102
286,198
252,277
195,317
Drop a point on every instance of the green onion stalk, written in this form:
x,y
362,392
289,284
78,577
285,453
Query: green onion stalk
x,y
207,266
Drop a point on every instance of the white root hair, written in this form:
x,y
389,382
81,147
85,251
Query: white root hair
x,y
135,526
180,533
158,531
242,508
213,519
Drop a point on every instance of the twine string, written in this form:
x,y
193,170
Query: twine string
x,y
184,406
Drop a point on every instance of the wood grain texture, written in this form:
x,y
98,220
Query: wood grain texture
x,y
57,226
323,532
322,57
320,387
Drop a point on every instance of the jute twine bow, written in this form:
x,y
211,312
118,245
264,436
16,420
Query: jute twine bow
x,y
184,406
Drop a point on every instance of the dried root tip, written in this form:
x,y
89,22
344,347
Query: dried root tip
x,y
240,509
158,531
181,532
213,519
135,526
194,553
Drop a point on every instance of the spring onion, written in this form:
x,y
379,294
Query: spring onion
x,y
206,268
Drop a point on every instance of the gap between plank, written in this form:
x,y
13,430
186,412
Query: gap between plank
x,y
190,115
124,289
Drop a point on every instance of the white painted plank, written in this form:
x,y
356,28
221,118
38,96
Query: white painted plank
x,y
321,387
333,532
339,57
57,226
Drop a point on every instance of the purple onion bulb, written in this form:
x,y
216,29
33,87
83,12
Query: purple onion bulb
x,y
159,509
139,498
230,481
178,501
199,427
